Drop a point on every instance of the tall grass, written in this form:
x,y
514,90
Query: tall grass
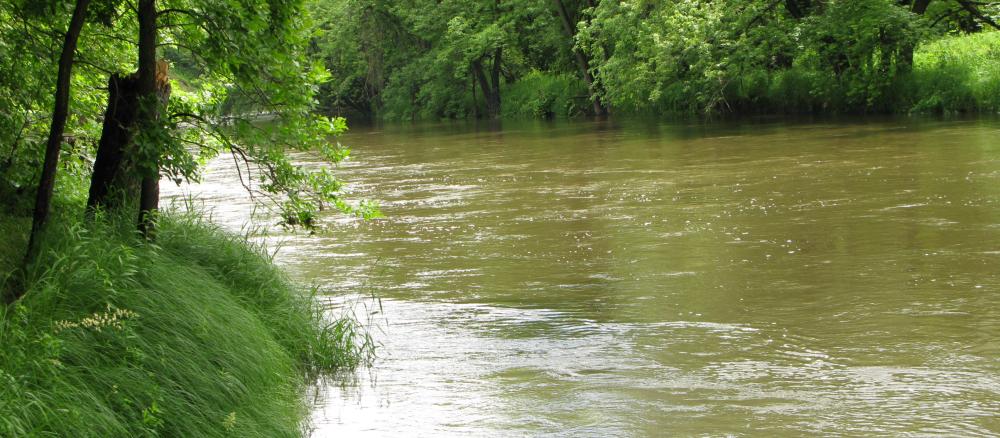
x,y
198,335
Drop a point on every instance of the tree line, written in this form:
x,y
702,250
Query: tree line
x,y
418,59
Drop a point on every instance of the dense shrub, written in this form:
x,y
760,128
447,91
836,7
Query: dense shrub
x,y
545,95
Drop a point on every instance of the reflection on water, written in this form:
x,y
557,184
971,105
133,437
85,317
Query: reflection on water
x,y
629,279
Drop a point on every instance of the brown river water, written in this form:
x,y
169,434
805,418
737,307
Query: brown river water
x,y
622,278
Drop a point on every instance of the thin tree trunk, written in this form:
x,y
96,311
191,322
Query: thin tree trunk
x,y
148,112
581,59
495,77
475,103
149,205
906,52
46,183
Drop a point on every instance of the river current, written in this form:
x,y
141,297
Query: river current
x,y
617,278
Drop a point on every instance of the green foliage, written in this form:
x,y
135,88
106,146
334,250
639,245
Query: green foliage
x,y
199,335
351,38
240,62
680,57
696,57
251,65
542,95
949,75
957,74
413,60
861,43
658,54
29,49
419,90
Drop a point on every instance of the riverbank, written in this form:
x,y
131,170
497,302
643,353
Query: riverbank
x,y
950,75
943,74
197,335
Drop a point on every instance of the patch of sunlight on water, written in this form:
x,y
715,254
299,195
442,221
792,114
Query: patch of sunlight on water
x,y
630,279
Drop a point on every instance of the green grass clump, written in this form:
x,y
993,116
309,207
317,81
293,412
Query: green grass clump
x,y
196,335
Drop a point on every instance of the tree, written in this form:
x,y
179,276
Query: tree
x,y
430,59
46,184
360,42
468,38
582,60
251,53
58,125
150,100
133,111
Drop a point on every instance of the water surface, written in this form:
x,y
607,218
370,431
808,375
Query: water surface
x,y
636,279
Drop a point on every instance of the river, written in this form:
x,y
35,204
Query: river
x,y
625,278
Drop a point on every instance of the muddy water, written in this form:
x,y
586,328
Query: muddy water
x,y
636,279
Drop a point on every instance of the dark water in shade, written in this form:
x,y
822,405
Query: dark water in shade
x,y
630,279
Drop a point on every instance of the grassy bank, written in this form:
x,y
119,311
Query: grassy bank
x,y
198,335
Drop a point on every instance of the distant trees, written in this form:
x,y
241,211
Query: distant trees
x,y
708,57
435,59
455,58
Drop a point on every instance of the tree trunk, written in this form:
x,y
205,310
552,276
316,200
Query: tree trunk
x,y
46,183
906,52
149,198
495,77
581,60
491,94
920,6
793,8
124,172
113,184
475,101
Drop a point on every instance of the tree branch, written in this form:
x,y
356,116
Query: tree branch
x,y
187,12
971,9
